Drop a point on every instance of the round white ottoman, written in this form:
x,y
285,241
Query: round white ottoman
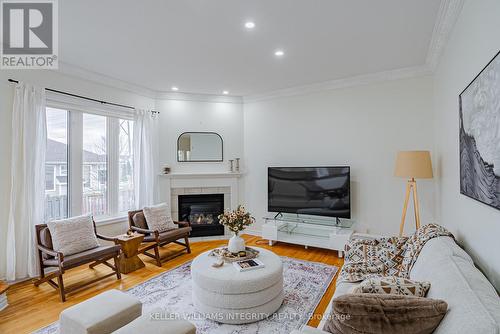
x,y
226,295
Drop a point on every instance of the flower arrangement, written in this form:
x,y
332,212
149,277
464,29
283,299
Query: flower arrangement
x,y
237,220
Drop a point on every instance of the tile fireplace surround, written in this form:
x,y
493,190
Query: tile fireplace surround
x,y
175,184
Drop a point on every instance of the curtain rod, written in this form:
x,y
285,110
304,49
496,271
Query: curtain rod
x,y
87,98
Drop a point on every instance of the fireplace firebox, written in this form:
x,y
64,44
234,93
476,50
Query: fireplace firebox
x,y
202,212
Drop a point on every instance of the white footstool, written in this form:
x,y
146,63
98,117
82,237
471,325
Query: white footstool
x,y
147,325
229,296
101,314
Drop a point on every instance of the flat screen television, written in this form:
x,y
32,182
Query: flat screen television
x,y
319,191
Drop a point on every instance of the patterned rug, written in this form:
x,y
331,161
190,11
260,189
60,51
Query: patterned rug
x,y
304,284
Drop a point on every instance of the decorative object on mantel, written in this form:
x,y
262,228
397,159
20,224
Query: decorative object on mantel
x,y
3,295
231,166
479,136
227,256
412,165
166,170
236,221
237,167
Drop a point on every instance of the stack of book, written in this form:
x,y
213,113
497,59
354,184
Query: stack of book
x,y
248,265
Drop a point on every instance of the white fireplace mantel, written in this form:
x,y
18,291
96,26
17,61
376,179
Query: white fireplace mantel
x,y
201,175
194,183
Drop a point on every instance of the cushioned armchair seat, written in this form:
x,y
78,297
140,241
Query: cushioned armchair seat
x,y
170,235
87,256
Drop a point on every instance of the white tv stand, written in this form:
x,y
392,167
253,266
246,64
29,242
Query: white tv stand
x,y
317,232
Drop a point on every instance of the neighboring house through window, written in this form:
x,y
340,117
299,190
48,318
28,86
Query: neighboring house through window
x,y
103,186
50,178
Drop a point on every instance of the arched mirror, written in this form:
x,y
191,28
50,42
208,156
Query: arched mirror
x,y
199,147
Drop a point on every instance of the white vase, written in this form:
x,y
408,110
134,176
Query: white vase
x,y
236,244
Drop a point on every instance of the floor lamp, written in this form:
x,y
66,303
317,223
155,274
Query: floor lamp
x,y
412,165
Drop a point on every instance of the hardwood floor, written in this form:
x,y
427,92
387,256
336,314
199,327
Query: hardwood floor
x,y
31,308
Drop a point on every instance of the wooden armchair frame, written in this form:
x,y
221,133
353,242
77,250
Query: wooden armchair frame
x,y
61,267
160,239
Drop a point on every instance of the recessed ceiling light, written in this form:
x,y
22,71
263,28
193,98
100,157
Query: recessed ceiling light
x,y
175,89
279,53
225,92
249,25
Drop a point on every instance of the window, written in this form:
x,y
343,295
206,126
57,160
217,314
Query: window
x,y
94,163
91,161
56,165
126,192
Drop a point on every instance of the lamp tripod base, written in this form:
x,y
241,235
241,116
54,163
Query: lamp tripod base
x,y
411,187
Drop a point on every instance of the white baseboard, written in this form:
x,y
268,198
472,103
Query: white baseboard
x,y
210,238
256,233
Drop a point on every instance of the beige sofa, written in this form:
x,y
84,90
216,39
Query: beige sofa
x,y
473,303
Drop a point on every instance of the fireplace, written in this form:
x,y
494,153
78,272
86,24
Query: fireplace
x,y
202,212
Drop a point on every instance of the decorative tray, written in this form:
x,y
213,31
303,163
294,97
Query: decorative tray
x,y
224,254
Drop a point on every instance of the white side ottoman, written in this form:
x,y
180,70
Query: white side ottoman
x,y
147,325
101,314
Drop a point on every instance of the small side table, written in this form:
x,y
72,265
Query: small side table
x,y
3,295
129,261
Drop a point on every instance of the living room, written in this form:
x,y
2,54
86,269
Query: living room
x,y
159,145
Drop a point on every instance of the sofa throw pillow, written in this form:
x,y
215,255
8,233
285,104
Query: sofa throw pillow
x,y
158,217
73,235
384,314
392,285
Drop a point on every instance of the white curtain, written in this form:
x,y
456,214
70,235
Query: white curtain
x,y
146,169
29,138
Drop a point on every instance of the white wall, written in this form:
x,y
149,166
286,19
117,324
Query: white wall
x,y
178,116
58,81
474,41
363,127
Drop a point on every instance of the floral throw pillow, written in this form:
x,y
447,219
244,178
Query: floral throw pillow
x,y
393,285
158,217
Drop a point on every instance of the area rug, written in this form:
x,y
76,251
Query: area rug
x,y
169,293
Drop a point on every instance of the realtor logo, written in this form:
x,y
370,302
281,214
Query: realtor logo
x,y
29,34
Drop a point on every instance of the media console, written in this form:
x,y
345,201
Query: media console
x,y
319,232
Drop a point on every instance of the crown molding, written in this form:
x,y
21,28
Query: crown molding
x,y
81,73
449,11
198,97
359,80
447,16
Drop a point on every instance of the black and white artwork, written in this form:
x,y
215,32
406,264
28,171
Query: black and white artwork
x,y
480,136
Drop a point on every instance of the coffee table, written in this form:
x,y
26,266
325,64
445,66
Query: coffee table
x,y
228,296
128,259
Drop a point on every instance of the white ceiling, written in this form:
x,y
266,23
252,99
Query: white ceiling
x,y
201,46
